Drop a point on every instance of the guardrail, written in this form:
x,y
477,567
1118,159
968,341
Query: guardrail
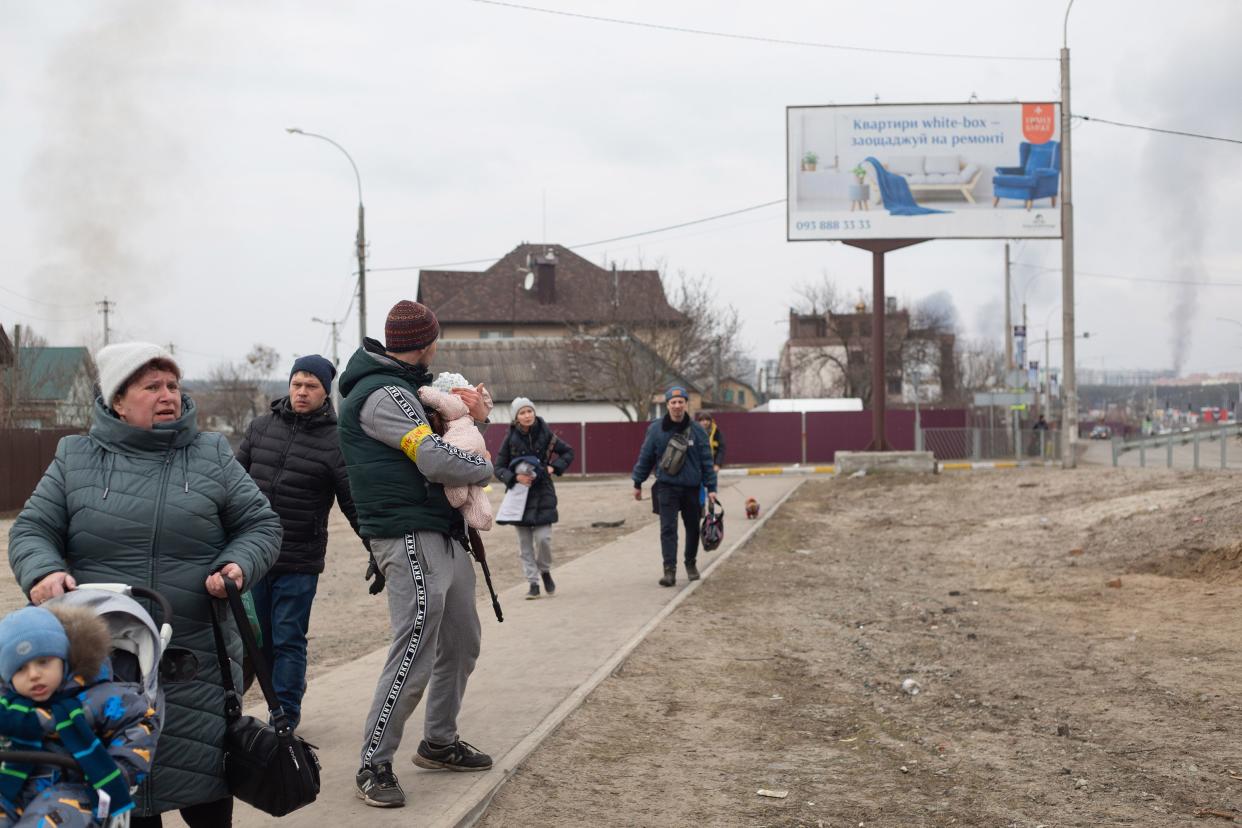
x,y
977,444
1167,442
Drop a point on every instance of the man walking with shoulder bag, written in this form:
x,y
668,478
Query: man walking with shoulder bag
x,y
678,450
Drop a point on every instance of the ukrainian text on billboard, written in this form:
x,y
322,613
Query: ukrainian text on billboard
x,y
924,171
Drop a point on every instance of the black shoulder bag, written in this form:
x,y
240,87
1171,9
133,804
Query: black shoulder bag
x,y
265,765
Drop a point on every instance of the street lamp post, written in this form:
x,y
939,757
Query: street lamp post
x,y
1069,459
360,240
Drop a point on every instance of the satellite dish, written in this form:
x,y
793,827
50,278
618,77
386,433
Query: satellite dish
x,y
529,282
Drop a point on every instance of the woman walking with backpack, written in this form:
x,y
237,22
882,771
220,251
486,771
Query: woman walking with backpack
x,y
530,455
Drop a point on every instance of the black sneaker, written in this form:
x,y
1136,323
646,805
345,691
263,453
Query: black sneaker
x,y
533,593
378,787
549,585
670,576
692,572
459,756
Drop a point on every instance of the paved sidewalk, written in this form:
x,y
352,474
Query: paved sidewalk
x,y
535,669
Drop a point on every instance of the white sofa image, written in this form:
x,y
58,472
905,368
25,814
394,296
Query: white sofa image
x,y
936,173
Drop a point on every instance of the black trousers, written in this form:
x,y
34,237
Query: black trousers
x,y
218,814
673,501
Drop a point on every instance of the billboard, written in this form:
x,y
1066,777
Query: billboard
x,y
923,171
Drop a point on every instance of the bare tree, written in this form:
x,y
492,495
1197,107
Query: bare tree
x,y
634,352
980,365
234,396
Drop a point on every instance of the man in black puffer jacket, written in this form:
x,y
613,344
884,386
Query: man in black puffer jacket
x,y
294,456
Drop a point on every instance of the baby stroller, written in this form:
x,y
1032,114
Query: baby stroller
x,y
140,655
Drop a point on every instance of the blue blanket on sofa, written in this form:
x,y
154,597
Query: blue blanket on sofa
x,y
896,193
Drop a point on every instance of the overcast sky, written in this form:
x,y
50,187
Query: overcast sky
x,y
146,159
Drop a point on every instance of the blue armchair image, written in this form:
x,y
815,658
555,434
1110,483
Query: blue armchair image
x,y
1037,176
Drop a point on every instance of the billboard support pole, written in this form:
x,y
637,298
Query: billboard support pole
x,y
879,383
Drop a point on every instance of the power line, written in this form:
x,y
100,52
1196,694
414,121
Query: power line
x,y
598,242
1149,128
1148,279
41,302
759,38
43,318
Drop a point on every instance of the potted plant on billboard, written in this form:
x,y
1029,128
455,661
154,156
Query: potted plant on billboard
x,y
859,193
809,160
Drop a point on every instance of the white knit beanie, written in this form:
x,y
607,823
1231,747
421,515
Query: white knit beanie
x,y
117,363
517,405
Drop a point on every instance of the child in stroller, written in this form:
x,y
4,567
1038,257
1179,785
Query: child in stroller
x,y
81,707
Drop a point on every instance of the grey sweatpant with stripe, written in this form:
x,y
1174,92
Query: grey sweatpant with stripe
x,y
435,638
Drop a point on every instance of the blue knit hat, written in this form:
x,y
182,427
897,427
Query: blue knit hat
x,y
675,391
29,633
318,367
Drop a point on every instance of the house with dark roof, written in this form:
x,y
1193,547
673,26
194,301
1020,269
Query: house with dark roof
x,y
45,387
544,290
548,324
563,376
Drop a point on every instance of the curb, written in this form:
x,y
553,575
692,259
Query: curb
x,y
761,471
486,788
996,464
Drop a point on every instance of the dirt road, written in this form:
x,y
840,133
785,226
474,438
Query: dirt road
x,y
1050,692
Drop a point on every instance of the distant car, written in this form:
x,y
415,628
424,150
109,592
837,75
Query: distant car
x,y
1101,432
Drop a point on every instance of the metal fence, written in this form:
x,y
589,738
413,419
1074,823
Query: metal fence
x,y
1191,449
991,443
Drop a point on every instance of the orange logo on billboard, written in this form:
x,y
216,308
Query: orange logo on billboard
x,y
1039,122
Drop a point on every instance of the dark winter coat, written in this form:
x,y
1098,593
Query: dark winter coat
x,y
538,442
296,460
162,508
696,471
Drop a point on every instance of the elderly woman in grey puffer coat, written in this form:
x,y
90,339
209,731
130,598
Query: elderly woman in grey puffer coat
x,y
147,499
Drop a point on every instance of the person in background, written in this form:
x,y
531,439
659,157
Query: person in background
x,y
676,492
294,456
531,441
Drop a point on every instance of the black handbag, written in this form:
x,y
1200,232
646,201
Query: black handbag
x,y
265,765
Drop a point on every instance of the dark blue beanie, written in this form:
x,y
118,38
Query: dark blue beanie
x,y
317,366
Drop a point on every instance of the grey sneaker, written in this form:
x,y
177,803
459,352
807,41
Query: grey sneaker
x,y
549,586
459,756
378,786
533,592
692,572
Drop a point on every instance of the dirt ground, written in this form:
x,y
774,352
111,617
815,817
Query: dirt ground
x,y
1048,694
1073,637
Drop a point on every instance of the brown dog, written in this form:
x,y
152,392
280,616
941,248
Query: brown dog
x,y
752,508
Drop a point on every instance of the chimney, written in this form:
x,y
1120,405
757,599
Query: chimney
x,y
545,277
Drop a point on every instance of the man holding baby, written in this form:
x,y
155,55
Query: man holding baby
x,y
398,468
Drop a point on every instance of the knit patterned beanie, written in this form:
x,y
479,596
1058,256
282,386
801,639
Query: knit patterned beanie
x,y
410,327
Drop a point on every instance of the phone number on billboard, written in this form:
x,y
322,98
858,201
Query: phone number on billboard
x,y
842,224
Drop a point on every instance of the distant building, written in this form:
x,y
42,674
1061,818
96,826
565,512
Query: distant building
x,y
553,372
45,387
735,395
829,355
545,323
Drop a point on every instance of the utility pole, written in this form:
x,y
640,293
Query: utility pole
x,y
1069,411
1008,319
105,307
172,349
336,361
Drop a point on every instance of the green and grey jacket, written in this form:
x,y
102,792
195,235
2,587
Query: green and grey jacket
x,y
397,467
163,508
